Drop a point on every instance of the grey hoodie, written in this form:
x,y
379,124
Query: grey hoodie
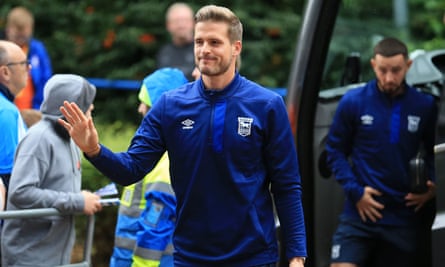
x,y
72,88
46,174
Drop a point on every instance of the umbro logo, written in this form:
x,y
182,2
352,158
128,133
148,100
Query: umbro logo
x,y
187,124
367,119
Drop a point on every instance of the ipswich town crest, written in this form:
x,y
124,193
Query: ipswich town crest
x,y
244,126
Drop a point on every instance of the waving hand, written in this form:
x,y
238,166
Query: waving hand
x,y
81,128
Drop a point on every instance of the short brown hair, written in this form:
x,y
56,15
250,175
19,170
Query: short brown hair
x,y
221,14
389,47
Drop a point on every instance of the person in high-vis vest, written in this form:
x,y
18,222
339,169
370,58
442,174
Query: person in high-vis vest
x,y
145,223
154,239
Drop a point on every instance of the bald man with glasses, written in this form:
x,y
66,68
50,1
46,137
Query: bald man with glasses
x,y
22,63
14,69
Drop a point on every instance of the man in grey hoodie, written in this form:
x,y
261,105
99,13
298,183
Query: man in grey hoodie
x,y
47,174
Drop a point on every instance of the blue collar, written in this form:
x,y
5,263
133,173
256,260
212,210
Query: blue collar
x,y
221,93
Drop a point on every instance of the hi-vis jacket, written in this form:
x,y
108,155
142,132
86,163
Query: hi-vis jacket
x,y
140,235
145,223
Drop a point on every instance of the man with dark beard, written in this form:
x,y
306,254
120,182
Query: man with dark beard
x,y
378,129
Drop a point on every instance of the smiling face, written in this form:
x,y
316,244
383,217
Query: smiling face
x,y
215,54
390,72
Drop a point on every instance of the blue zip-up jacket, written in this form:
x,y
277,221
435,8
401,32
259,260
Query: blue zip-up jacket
x,y
380,135
227,149
41,70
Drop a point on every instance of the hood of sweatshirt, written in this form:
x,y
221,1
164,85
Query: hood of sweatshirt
x,y
66,87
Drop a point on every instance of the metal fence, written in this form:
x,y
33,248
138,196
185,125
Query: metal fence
x,y
33,213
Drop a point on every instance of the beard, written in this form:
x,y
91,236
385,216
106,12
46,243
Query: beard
x,y
217,70
391,89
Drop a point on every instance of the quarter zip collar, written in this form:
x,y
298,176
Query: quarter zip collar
x,y
393,112
229,90
390,98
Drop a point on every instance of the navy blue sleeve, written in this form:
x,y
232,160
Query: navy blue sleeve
x,y
143,154
281,157
339,146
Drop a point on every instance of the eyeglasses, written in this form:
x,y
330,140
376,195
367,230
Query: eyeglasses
x,y
24,62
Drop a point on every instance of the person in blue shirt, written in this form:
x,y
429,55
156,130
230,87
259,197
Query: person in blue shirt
x,y
377,130
13,77
232,157
14,69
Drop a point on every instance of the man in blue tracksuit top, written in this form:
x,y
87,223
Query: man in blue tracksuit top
x,y
230,146
377,130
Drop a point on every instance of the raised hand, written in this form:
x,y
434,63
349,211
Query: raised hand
x,y
81,128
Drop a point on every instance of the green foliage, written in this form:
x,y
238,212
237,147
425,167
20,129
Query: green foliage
x,y
119,40
432,18
361,25
114,106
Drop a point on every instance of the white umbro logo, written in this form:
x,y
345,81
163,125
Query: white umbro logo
x,y
367,119
187,124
